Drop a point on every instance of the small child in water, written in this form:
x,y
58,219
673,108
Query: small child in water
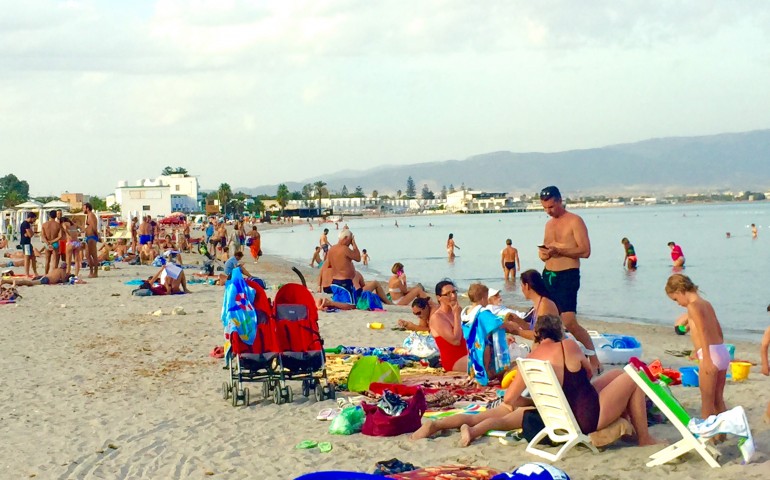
x,y
707,340
364,257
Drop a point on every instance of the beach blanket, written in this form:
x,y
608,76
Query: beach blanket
x,y
238,314
481,328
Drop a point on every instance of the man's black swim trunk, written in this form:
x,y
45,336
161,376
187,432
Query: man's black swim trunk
x,y
563,288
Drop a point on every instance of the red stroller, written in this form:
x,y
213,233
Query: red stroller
x,y
255,362
299,340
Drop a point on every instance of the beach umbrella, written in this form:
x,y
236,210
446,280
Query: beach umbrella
x,y
57,205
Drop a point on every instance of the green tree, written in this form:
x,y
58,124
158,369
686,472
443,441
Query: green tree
x,y
320,190
282,196
398,193
344,191
411,191
98,203
452,188
307,192
13,191
359,193
170,171
296,195
443,192
224,193
375,194
114,208
427,193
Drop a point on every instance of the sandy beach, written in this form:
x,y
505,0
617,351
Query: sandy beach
x,y
96,386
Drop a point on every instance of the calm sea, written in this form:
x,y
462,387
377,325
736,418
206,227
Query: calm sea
x,y
734,273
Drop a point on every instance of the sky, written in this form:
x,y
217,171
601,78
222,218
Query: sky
x,y
261,92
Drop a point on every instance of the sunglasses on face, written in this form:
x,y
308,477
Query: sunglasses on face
x,y
451,292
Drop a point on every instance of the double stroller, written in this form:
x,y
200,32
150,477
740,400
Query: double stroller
x,y
287,347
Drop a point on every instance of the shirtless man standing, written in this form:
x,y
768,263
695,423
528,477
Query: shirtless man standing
x,y
340,260
565,242
510,260
92,237
51,235
324,242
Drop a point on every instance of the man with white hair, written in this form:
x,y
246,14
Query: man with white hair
x,y
340,260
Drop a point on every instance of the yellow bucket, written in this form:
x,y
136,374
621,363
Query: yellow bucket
x,y
740,370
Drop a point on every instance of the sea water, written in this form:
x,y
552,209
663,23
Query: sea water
x,y
732,273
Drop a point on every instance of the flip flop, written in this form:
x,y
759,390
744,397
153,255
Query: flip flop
x,y
511,438
306,444
325,447
328,413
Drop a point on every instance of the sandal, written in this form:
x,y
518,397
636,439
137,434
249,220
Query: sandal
x,y
306,444
325,447
328,413
513,437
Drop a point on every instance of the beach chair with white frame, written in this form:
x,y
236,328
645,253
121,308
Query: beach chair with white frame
x,y
558,418
678,417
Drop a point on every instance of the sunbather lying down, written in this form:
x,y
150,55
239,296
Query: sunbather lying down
x,y
57,276
596,405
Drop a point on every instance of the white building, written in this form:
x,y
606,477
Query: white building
x,y
478,201
184,191
168,193
146,197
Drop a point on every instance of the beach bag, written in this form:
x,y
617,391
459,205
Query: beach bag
x,y
531,425
420,344
249,241
379,424
142,292
349,421
9,294
369,301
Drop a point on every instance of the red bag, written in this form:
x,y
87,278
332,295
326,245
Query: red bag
x,y
380,424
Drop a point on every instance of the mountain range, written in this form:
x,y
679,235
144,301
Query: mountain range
x,y
728,161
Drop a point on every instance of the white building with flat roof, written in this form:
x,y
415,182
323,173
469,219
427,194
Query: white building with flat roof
x,y
160,197
145,197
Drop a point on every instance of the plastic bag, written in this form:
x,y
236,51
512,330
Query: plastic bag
x,y
420,344
349,421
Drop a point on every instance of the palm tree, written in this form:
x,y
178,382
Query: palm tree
x,y
282,196
319,188
224,193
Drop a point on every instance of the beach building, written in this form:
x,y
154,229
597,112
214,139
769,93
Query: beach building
x,y
177,192
145,197
476,201
75,200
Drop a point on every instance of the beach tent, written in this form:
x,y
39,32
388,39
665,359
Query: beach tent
x,y
7,217
23,208
370,369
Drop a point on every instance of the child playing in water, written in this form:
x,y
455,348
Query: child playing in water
x,y
364,257
707,340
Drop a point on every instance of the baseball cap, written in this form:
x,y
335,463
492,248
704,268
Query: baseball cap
x,y
493,292
550,192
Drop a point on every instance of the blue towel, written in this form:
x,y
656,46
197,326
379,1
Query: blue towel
x,y
238,314
480,329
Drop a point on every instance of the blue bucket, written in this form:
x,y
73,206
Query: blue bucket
x,y
689,376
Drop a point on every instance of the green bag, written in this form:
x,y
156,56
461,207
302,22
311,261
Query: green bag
x,y
349,421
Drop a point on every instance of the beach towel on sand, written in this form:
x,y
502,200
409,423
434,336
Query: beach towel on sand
x,y
732,421
238,314
481,328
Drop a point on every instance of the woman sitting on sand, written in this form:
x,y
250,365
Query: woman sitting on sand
x,y
446,329
399,292
533,289
595,406
422,308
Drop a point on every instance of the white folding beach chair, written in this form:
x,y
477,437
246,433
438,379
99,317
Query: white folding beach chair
x,y
560,423
678,417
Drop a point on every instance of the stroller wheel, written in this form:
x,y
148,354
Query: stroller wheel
x,y
289,394
331,394
277,397
235,397
225,390
246,397
305,388
319,393
265,390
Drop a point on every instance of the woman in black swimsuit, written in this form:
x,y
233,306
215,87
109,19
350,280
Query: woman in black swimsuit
x,y
595,405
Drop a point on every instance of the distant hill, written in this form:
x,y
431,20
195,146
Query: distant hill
x,y
734,161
